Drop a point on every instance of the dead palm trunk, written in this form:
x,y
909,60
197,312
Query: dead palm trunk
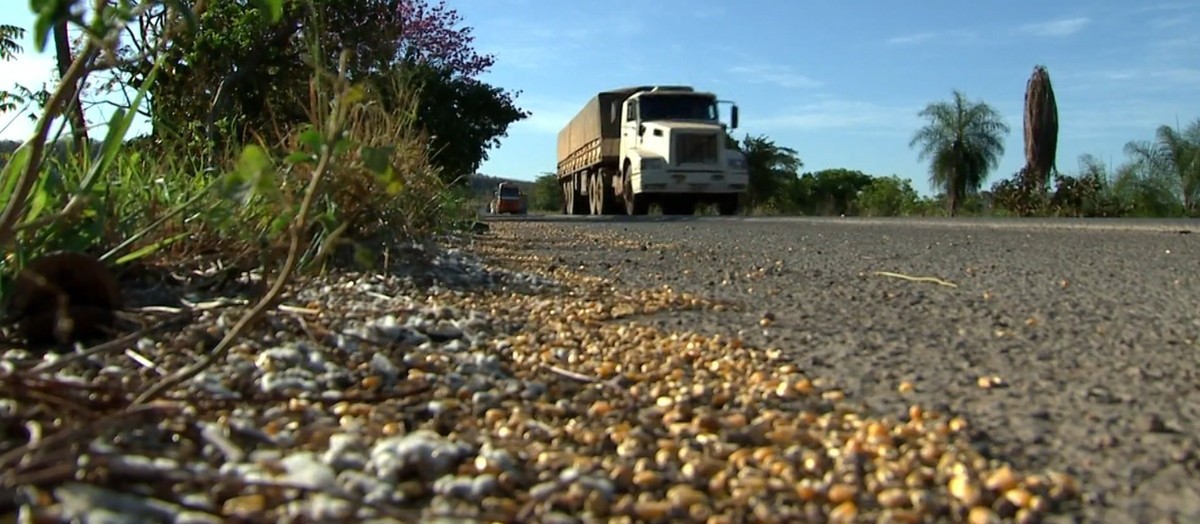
x,y
1041,127
63,51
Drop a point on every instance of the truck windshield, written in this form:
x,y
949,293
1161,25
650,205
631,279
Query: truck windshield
x,y
509,192
677,107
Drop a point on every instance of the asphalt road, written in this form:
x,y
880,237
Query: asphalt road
x,y
1091,327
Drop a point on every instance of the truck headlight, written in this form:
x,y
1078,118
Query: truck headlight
x,y
653,164
737,163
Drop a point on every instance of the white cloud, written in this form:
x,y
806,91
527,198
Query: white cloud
x,y
1063,27
959,36
911,38
779,75
1184,42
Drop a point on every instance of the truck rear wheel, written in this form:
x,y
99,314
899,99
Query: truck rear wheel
x,y
596,194
574,203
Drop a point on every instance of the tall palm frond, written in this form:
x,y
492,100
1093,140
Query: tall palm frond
x,y
964,140
1173,159
1182,156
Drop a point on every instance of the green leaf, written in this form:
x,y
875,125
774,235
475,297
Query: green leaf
x,y
151,248
395,186
354,95
300,157
41,199
232,185
17,163
311,138
255,168
252,162
341,146
274,9
49,12
279,224
378,159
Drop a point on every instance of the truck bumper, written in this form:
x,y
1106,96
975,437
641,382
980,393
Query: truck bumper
x,y
690,182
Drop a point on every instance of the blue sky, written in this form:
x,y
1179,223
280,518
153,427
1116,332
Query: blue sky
x,y
841,82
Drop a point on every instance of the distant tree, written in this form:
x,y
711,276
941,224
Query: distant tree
x,y
835,191
1022,194
546,194
965,140
1078,196
1041,127
772,168
888,196
464,117
1173,154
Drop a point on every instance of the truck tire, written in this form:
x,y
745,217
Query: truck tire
x,y
634,204
575,203
596,194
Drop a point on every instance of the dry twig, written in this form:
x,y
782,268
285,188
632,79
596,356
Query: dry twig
x,y
910,278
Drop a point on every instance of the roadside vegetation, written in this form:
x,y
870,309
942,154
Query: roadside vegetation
x,y
963,142
278,129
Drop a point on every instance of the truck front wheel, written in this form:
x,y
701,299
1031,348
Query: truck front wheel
x,y
634,204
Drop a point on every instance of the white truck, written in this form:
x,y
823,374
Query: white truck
x,y
630,147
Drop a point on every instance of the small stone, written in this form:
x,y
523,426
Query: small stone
x,y
1152,423
245,505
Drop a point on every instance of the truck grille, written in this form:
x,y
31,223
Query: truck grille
x,y
693,148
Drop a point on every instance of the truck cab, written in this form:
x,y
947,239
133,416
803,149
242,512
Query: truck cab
x,y
675,149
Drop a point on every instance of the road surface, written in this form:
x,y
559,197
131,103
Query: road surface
x,y
1067,344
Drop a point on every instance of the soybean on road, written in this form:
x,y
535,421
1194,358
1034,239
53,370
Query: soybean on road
x,y
1066,344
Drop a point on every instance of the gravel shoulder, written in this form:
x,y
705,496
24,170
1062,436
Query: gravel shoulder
x,y
1068,345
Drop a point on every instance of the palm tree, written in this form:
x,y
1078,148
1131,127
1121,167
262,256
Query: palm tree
x,y
1173,154
965,140
1041,127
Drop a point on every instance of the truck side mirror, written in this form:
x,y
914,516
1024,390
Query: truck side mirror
x,y
733,117
613,111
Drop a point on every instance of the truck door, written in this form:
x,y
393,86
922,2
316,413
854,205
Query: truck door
x,y
629,127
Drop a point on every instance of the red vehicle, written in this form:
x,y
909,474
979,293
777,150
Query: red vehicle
x,y
509,199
